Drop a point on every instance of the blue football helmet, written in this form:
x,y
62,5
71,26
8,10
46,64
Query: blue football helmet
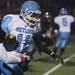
x,y
63,11
30,12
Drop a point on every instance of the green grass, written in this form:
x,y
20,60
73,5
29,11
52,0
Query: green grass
x,y
43,63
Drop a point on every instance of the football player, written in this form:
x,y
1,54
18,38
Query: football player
x,y
63,20
23,26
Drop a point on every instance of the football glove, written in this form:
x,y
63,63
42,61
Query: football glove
x,y
25,58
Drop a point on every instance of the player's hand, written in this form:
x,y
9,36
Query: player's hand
x,y
24,58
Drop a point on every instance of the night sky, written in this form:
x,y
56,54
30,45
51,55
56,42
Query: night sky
x,y
53,6
46,5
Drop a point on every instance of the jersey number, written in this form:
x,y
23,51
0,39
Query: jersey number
x,y
64,21
27,38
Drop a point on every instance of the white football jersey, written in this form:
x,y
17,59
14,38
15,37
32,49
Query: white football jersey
x,y
20,29
64,22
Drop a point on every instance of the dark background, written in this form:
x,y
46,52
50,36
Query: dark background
x,y
52,6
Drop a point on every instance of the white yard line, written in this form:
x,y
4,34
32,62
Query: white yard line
x,y
59,65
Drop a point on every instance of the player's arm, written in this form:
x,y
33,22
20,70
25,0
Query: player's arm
x,y
5,23
72,19
56,20
4,65
15,57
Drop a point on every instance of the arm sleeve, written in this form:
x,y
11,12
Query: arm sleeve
x,y
73,19
56,20
9,57
5,23
13,57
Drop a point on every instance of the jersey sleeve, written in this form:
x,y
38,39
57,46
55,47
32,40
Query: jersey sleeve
x,y
56,20
72,19
5,23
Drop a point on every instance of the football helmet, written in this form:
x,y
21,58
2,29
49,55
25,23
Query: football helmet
x,y
30,12
63,11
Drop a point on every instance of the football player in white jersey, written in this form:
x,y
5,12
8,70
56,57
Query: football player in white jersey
x,y
23,26
63,20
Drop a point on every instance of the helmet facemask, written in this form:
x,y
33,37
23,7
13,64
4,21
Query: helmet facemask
x,y
32,18
30,12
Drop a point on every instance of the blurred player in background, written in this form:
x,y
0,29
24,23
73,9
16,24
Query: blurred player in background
x,y
47,28
63,20
44,36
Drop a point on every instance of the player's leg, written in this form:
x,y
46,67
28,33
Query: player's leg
x,y
5,69
58,42
64,42
17,69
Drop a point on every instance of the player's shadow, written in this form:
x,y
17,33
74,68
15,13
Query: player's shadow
x,y
70,63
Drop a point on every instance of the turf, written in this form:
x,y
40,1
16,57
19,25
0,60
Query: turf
x,y
43,63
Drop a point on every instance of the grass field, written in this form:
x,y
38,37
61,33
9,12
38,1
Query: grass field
x,y
43,64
